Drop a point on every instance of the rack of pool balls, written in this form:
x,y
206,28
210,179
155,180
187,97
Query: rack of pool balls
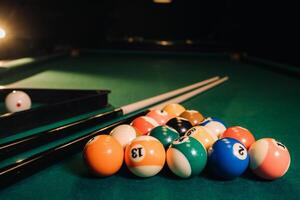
x,y
188,142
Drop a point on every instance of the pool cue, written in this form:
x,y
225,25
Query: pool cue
x,y
191,94
32,164
20,145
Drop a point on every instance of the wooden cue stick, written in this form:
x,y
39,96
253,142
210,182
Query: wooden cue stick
x,y
30,165
20,145
191,94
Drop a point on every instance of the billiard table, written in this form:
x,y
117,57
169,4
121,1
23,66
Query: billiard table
x,y
259,95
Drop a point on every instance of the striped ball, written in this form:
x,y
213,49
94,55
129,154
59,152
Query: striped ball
x,y
206,138
145,156
144,124
186,157
269,159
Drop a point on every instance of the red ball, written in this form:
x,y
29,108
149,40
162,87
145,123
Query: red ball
x,y
241,134
144,124
160,116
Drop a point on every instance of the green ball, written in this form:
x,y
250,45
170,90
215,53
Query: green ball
x,y
186,157
165,134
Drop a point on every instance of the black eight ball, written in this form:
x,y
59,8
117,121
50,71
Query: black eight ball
x,y
180,124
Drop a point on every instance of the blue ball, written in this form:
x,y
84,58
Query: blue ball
x,y
228,158
209,119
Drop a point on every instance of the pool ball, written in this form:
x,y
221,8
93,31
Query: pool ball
x,y
269,159
209,119
144,124
124,134
145,156
193,116
174,109
17,101
104,155
160,116
186,157
180,124
241,134
228,158
165,134
215,127
204,137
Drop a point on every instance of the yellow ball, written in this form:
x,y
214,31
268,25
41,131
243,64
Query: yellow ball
x,y
174,109
202,135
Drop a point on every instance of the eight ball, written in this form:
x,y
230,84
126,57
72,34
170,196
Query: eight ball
x,y
180,124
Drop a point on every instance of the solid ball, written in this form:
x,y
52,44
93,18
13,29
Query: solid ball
x,y
269,159
215,127
241,134
174,109
180,124
104,155
145,156
206,138
144,124
17,101
209,119
193,116
165,134
160,116
228,158
124,134
186,157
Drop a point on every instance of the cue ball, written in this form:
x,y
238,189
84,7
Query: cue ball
x,y
124,134
160,116
241,134
193,116
165,134
17,101
186,157
180,124
228,158
269,159
104,155
145,156
206,138
144,124
174,109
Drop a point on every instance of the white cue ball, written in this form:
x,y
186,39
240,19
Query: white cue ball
x,y
124,134
17,101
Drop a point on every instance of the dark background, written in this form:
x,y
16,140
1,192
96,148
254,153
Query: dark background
x,y
267,30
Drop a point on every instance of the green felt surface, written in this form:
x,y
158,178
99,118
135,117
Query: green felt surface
x,y
263,101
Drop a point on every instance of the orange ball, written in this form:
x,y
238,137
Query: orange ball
x,y
193,116
104,155
145,156
174,109
241,134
